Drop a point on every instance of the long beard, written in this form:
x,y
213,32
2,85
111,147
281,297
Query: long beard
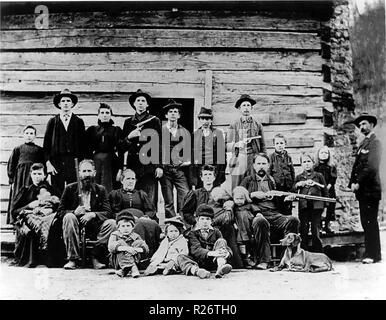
x,y
87,183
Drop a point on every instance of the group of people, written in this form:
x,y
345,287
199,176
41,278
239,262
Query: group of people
x,y
226,213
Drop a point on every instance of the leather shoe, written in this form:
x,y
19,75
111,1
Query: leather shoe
x,y
223,270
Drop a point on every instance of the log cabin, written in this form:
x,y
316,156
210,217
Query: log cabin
x,y
293,57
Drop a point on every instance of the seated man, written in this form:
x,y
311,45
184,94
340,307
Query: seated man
x,y
91,210
259,186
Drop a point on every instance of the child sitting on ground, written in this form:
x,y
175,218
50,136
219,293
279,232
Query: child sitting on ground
x,y
126,246
310,211
170,248
244,212
208,249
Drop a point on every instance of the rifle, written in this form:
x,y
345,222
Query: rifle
x,y
277,193
78,181
140,124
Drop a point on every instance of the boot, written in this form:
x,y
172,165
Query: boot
x,y
223,270
134,271
200,272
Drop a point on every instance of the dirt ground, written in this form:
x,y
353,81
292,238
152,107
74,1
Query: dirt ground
x,y
349,280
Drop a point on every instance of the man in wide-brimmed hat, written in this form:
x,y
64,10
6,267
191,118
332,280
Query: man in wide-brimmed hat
x,y
365,182
208,148
64,140
245,139
140,124
176,157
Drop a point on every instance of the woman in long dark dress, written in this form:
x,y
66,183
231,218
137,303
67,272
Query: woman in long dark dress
x,y
32,221
128,197
20,162
103,146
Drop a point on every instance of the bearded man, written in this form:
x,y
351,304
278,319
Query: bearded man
x,y
90,208
259,185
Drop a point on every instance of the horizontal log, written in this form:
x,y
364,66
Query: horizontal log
x,y
279,78
312,111
158,19
226,117
156,38
238,89
164,60
228,100
161,83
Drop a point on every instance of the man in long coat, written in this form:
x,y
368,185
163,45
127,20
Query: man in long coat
x,y
64,140
366,183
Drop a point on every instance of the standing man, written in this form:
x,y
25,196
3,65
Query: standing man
x,y
208,149
90,208
365,182
133,141
245,140
176,155
64,141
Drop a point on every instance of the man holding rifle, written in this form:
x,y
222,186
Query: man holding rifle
x,y
85,204
245,139
133,139
260,184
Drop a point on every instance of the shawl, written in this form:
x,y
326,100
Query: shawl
x,y
170,248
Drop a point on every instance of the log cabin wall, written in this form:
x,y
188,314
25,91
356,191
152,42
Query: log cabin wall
x,y
209,55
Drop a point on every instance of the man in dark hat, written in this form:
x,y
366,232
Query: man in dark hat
x,y
208,149
137,130
176,155
245,139
365,182
64,140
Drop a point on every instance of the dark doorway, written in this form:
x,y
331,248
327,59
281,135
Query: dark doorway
x,y
186,120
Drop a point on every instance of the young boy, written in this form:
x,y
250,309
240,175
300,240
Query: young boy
x,y
282,170
126,246
207,247
311,183
20,162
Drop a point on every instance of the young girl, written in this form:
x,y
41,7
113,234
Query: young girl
x,y
126,246
20,162
310,211
244,212
323,164
170,248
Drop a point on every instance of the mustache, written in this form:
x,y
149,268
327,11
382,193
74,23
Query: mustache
x,y
261,172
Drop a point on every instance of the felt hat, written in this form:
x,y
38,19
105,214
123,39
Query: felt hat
x,y
244,97
176,221
205,113
365,116
205,210
65,93
137,94
125,214
172,104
